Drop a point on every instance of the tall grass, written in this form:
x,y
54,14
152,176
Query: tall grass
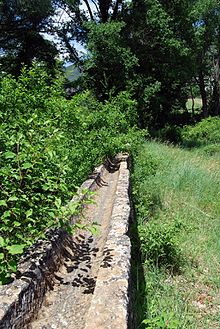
x,y
177,195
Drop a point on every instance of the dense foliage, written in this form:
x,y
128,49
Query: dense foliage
x,y
205,132
48,146
21,41
143,60
161,52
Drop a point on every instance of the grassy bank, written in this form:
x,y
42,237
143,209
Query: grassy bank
x,y
176,193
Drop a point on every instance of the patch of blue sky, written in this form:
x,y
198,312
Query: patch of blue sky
x,y
61,16
199,23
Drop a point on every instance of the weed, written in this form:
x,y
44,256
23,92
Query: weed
x,y
164,321
159,245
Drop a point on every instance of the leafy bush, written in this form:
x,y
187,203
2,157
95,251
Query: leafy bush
x,y
204,132
146,197
170,133
158,243
48,145
212,149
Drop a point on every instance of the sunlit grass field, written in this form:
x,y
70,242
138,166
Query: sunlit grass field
x,y
197,104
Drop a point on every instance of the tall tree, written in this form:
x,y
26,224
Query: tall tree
x,y
205,45
110,62
74,29
157,37
21,41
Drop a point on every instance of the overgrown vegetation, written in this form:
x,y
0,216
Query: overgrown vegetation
x,y
48,147
176,193
143,61
204,133
138,45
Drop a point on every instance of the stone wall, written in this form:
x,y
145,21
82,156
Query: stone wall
x,y
21,299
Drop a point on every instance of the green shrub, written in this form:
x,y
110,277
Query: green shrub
x,y
48,146
170,133
158,243
205,132
212,149
33,166
146,197
163,321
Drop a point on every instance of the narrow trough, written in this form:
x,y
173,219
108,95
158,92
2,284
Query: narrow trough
x,y
79,282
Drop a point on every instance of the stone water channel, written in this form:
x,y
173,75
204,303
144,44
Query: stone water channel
x,y
90,287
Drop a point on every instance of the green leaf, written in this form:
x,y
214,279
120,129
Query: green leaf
x,y
146,321
94,230
17,224
27,165
50,153
80,226
2,241
3,203
69,229
45,187
15,249
51,214
6,214
2,256
73,207
58,202
13,265
29,213
9,155
13,198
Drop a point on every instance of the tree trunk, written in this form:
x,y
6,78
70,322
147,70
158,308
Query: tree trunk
x,y
193,102
215,103
216,92
203,95
104,6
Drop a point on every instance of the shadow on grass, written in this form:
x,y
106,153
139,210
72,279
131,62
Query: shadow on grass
x,y
138,287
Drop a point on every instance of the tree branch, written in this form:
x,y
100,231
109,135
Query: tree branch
x,y
89,9
95,4
72,52
115,11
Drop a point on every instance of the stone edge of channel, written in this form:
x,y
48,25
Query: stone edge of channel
x,y
110,305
